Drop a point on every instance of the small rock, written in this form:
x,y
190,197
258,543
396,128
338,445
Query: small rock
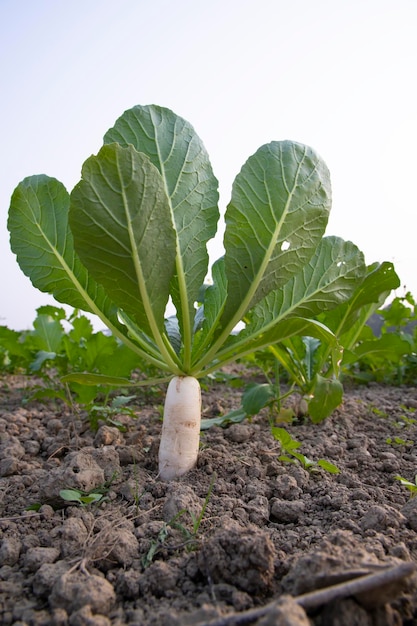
x,y
32,447
381,518
286,512
73,537
75,591
12,448
108,435
243,557
286,487
46,576
36,557
409,510
85,617
119,545
108,459
258,509
128,583
10,551
9,466
79,471
286,612
159,579
180,497
238,433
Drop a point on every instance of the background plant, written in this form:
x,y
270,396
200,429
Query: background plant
x,y
386,348
61,343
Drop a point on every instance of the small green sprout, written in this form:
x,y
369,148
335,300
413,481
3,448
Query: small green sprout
x,y
109,413
398,441
80,497
290,445
412,487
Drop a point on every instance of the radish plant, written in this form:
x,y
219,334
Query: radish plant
x,y
132,236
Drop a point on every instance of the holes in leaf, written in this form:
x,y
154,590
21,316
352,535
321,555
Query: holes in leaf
x,y
285,245
341,263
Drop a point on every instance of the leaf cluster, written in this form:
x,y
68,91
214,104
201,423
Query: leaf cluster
x,y
132,236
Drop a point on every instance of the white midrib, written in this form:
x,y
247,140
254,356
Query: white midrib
x,y
187,338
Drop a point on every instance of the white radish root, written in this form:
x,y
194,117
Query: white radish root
x,y
181,428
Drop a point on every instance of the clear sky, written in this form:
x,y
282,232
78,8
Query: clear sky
x,y
339,75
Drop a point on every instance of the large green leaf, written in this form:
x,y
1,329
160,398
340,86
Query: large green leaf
x,y
328,279
348,318
389,347
42,241
277,215
122,226
178,153
327,395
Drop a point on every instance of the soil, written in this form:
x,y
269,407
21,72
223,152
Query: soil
x,y
245,538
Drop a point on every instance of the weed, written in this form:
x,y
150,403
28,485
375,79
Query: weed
x,y
290,447
190,536
81,497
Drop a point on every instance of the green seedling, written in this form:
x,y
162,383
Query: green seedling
x,y
132,236
412,487
97,495
81,497
398,441
378,412
108,413
290,447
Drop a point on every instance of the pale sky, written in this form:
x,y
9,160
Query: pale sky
x,y
338,75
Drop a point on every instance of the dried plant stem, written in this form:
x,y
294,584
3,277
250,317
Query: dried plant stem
x,y
319,597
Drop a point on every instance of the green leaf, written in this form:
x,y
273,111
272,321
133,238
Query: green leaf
x,y
81,330
328,467
233,417
348,318
122,227
47,334
174,148
42,241
277,215
390,347
41,357
256,397
288,444
327,396
173,331
97,379
11,343
71,495
327,280
84,378
91,498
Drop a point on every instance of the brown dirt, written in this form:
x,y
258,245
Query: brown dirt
x,y
271,531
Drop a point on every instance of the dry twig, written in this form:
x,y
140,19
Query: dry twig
x,y
314,599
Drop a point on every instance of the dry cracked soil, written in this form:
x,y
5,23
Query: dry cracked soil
x,y
245,538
